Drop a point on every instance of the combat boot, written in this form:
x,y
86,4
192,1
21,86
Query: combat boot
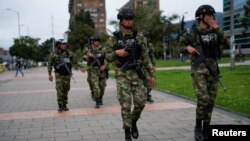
x,y
60,107
149,98
205,130
128,135
134,130
198,134
100,102
65,108
97,105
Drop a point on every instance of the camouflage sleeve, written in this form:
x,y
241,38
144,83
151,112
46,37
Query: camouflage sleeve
x,y
145,57
51,62
74,60
110,54
184,43
152,56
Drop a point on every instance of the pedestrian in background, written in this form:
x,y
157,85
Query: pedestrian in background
x,y
127,51
204,44
19,66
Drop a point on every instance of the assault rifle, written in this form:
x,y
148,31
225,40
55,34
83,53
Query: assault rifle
x,y
132,64
97,61
213,70
64,62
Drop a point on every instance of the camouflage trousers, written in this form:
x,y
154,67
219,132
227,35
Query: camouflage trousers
x,y
98,82
62,88
89,81
130,90
206,88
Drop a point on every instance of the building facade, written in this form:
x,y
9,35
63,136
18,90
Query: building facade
x,y
232,26
134,3
96,8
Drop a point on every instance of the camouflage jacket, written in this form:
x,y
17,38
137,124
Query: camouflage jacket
x,y
54,55
111,56
221,40
96,51
151,54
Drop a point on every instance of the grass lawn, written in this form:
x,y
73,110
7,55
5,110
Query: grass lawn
x,y
237,82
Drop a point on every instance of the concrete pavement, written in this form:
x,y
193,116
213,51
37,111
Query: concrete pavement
x,y
28,112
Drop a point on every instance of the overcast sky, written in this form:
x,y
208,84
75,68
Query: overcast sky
x,y
36,16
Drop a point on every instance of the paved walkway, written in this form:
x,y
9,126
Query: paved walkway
x,y
28,113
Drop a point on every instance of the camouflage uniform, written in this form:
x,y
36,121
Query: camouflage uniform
x,y
88,71
150,51
205,85
96,77
62,80
128,82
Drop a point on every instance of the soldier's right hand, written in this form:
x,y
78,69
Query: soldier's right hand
x,y
90,55
121,52
191,50
50,78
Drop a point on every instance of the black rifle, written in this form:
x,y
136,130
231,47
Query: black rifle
x,y
97,61
132,64
214,71
63,63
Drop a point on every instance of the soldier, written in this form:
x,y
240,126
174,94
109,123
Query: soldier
x,y
204,44
150,51
127,51
98,69
62,61
86,50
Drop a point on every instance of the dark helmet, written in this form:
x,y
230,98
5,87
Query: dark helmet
x,y
125,13
60,41
95,38
204,9
145,33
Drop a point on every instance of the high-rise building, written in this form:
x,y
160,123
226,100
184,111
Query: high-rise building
x,y
96,9
232,27
134,3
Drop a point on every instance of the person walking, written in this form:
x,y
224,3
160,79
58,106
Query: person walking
x,y
97,68
204,43
19,66
150,51
62,60
126,49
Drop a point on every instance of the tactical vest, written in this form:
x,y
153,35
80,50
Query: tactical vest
x,y
99,55
210,43
63,64
127,41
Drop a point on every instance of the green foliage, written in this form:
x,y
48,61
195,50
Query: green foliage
x,y
25,47
236,80
80,30
245,20
44,49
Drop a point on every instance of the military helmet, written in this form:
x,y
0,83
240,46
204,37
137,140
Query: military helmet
x,y
125,13
204,9
95,38
60,42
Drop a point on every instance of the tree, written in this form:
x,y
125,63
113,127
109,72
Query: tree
x,y
25,47
45,48
80,31
245,21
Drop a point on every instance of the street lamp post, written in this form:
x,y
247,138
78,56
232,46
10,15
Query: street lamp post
x,y
18,18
